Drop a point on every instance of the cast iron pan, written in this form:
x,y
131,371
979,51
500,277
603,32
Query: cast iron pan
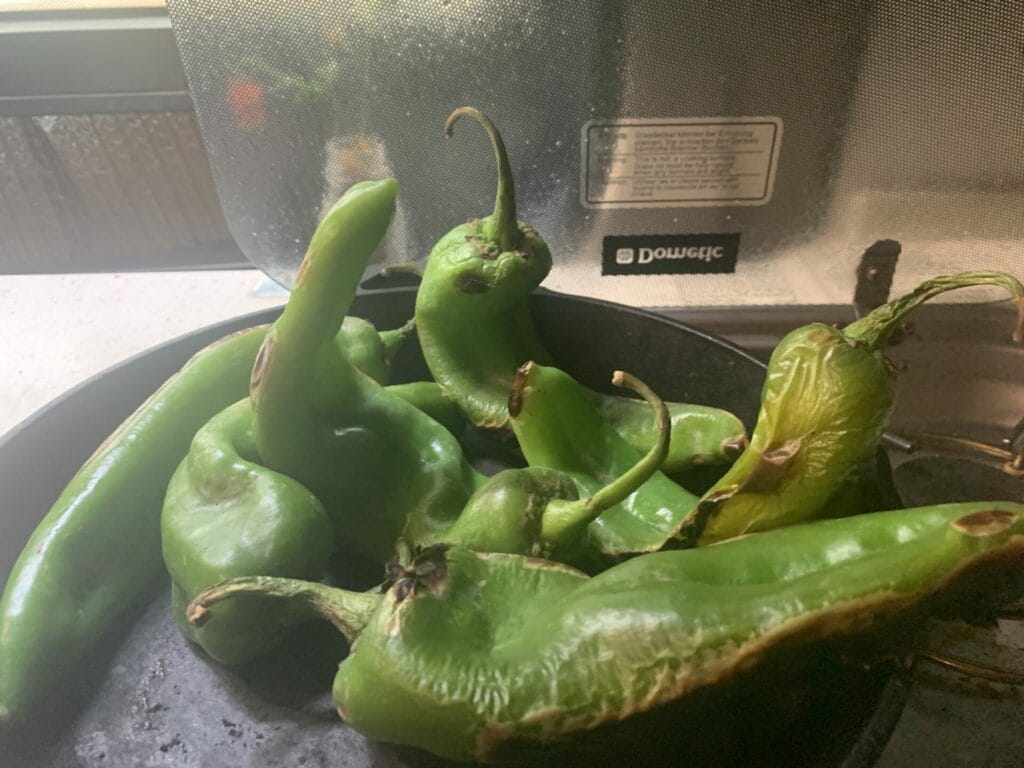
x,y
149,699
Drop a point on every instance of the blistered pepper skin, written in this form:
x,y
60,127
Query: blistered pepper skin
x,y
558,425
61,599
824,406
383,469
475,329
224,516
467,654
826,400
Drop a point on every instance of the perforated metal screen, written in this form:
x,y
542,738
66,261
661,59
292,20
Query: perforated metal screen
x,y
838,124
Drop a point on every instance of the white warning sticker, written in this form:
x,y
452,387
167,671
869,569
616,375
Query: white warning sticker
x,y
680,162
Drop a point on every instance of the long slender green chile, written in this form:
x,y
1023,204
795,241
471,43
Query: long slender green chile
x,y
372,459
61,600
475,329
382,468
96,554
825,403
467,655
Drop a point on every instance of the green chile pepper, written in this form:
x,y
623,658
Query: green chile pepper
x,y
371,458
370,350
60,601
427,396
383,469
468,654
96,554
475,329
538,510
825,403
558,426
225,515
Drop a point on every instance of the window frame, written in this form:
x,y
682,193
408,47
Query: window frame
x,y
90,62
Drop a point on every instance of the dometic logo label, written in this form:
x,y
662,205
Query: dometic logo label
x,y
670,254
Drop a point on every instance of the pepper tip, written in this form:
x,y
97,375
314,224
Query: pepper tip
x,y
515,393
197,614
449,124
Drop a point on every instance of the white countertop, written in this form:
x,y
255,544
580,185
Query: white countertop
x,y
62,329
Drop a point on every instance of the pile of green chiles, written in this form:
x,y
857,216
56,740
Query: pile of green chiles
x,y
527,607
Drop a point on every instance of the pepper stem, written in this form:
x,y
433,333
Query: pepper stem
x,y
563,520
875,328
501,227
395,338
348,611
404,268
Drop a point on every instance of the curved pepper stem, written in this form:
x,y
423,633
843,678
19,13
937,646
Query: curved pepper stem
x,y
501,227
348,611
563,520
395,338
875,328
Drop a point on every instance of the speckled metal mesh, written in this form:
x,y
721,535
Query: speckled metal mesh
x,y
899,120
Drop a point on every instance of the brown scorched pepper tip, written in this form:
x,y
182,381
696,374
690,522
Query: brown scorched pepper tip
x,y
197,614
515,394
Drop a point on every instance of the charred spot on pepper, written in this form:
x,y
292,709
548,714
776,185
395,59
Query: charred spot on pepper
x,y
732,447
302,272
259,367
515,394
698,519
424,568
197,614
486,251
985,522
469,283
771,468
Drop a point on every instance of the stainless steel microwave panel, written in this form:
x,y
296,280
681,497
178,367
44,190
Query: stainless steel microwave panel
x,y
671,153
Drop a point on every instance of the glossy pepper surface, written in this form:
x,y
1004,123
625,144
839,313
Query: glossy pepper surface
x,y
544,511
382,468
60,601
467,653
96,554
475,329
376,462
825,403
224,516
558,425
